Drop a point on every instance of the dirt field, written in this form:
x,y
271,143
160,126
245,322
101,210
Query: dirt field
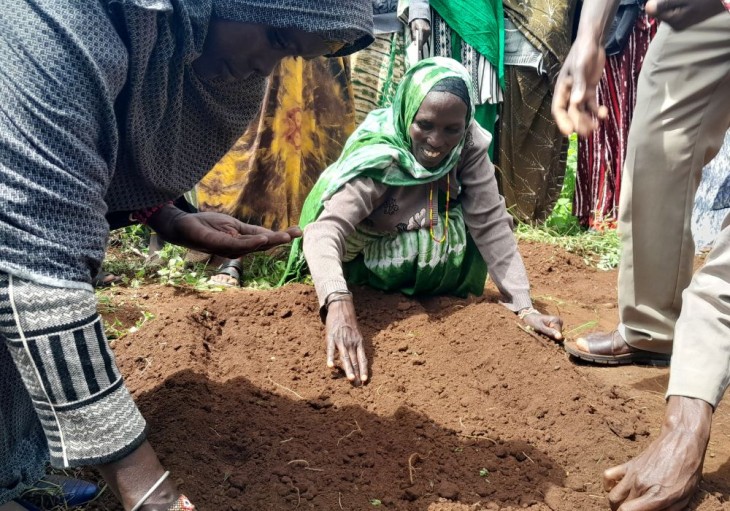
x,y
464,409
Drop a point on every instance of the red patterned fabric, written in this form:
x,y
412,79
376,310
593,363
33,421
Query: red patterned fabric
x,y
601,156
182,504
143,215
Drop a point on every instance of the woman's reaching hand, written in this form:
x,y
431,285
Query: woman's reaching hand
x,y
551,326
344,337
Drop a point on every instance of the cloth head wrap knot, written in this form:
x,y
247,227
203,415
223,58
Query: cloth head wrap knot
x,y
349,22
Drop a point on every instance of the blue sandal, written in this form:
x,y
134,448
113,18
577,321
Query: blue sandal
x,y
58,491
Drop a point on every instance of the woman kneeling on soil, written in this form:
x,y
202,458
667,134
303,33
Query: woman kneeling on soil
x,y
412,205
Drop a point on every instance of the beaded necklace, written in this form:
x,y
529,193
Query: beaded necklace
x,y
430,210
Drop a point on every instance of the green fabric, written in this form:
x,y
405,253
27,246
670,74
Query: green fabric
x,y
480,23
414,264
380,148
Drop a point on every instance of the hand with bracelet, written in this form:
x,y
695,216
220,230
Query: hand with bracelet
x,y
550,326
343,336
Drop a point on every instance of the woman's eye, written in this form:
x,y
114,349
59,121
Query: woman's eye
x,y
424,125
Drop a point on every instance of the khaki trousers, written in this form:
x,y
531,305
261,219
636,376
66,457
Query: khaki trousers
x,y
682,114
701,357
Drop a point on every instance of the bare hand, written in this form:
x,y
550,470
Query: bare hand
x,y
664,477
551,326
216,233
575,107
682,14
344,337
420,31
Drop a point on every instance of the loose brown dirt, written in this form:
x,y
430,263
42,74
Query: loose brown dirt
x,y
464,411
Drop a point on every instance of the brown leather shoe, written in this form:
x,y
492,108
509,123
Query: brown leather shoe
x,y
609,348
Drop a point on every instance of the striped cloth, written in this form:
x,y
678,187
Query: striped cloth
x,y
56,339
601,155
484,75
413,264
376,73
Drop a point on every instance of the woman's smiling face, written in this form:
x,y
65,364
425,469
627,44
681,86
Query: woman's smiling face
x,y
437,128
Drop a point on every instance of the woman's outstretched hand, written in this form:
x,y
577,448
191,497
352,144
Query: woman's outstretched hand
x,y
551,326
344,337
216,233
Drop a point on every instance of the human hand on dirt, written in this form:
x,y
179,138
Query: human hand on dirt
x,y
575,106
664,477
344,337
420,31
551,326
682,14
216,233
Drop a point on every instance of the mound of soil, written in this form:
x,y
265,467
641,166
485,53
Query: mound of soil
x,y
464,410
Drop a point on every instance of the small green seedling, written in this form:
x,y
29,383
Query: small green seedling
x,y
483,472
375,502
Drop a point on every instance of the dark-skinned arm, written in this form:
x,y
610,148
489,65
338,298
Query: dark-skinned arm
x,y
324,248
215,233
666,474
490,226
575,107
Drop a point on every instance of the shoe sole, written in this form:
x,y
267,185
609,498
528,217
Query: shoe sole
x,y
646,358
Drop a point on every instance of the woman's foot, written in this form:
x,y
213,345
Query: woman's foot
x,y
228,274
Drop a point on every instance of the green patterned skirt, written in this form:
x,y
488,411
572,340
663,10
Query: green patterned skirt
x,y
413,263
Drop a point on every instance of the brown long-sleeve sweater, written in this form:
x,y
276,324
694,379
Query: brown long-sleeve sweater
x,y
390,209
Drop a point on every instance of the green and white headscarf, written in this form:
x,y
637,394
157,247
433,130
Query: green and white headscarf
x,y
380,148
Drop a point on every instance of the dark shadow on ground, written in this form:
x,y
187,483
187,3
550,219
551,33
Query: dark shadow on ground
x,y
235,446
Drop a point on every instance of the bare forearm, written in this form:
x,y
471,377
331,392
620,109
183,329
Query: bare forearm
x,y
163,219
595,19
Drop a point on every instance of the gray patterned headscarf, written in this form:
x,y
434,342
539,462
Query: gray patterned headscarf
x,y
346,21
102,111
170,98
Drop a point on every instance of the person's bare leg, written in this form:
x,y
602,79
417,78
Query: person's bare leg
x,y
131,478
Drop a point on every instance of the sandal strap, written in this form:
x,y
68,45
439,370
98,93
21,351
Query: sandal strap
x,y
606,344
232,263
151,491
233,268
